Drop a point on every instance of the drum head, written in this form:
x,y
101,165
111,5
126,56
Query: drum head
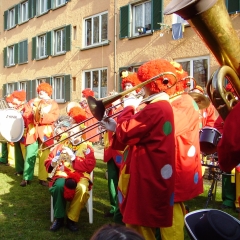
x,y
11,125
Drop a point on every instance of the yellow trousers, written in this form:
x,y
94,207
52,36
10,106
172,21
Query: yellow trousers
x,y
42,172
79,201
147,232
11,155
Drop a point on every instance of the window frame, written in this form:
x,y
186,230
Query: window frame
x,y
99,93
12,10
13,56
10,88
23,85
100,30
191,72
56,90
39,7
38,47
23,17
55,43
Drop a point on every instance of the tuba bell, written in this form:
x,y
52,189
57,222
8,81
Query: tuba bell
x,y
211,21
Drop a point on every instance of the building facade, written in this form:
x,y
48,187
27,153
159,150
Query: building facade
x,y
74,44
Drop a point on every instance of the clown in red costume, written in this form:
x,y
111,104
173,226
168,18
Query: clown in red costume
x,y
188,182
39,115
94,132
146,182
72,162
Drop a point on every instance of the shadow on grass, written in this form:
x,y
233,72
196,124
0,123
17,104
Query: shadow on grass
x,y
25,211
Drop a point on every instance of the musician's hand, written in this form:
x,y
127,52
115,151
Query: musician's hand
x,y
69,152
54,161
108,124
132,101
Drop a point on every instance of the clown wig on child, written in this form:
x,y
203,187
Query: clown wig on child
x,y
46,87
87,92
19,95
130,77
164,83
9,98
77,114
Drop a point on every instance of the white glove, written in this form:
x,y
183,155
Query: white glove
x,y
54,161
69,152
132,101
109,124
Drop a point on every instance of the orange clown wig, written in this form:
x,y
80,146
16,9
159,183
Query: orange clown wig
x,y
87,92
155,67
77,114
46,87
20,95
9,98
131,78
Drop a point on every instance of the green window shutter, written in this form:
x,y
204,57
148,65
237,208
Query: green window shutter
x,y
34,8
5,63
29,90
30,9
233,6
4,90
15,86
33,89
67,88
6,20
68,38
16,53
34,46
157,14
49,80
49,43
17,13
120,79
124,21
49,4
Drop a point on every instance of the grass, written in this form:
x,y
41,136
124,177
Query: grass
x,y
25,211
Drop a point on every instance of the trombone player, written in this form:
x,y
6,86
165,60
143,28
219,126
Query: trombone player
x,y
69,165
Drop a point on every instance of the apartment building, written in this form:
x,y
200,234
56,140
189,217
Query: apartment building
x,y
75,44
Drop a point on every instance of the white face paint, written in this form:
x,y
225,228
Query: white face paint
x,y
43,95
76,139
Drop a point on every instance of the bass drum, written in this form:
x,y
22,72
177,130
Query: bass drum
x,y
11,125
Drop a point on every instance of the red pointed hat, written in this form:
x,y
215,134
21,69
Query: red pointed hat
x,y
130,77
77,114
46,87
153,68
20,95
181,74
88,92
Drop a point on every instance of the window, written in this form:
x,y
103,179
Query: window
x,y
233,6
61,88
23,12
140,18
59,2
177,19
59,41
10,56
96,80
23,52
23,86
11,18
41,46
96,29
42,6
197,68
10,88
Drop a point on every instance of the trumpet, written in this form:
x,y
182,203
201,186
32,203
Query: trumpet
x,y
64,157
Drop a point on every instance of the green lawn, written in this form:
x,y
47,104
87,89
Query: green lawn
x,y
25,211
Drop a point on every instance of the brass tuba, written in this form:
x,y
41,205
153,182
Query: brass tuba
x,y
211,21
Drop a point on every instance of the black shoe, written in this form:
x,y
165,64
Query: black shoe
x,y
24,183
71,225
57,224
108,214
18,173
43,183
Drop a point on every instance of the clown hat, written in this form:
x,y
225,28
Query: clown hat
x,y
46,87
153,68
87,92
77,114
20,95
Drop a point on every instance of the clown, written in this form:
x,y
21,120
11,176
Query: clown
x,y
92,135
19,100
40,114
71,182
